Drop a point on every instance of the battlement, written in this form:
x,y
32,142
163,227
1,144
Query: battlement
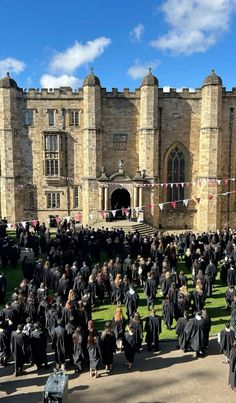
x,y
54,93
126,93
183,92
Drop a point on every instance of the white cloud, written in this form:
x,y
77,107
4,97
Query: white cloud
x,y
137,32
78,54
194,25
139,70
11,65
49,81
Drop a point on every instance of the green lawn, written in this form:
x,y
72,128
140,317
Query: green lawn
x,y
215,305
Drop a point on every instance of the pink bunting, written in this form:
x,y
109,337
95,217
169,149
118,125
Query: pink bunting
x,y
149,205
101,215
78,217
210,197
58,220
173,203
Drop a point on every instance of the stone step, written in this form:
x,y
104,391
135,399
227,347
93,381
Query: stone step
x,y
128,226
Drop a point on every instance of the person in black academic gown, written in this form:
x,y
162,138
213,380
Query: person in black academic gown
x,y
195,333
138,330
94,353
4,345
180,331
232,367
129,345
78,350
153,330
108,346
226,341
150,290
59,344
38,342
131,302
19,349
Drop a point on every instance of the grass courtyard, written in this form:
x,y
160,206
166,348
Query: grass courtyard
x,y
101,313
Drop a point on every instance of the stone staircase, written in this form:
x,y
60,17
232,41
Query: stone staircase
x,y
128,226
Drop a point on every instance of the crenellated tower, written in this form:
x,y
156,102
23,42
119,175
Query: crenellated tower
x,y
209,217
92,143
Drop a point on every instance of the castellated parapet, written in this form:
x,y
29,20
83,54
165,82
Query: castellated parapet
x,y
88,151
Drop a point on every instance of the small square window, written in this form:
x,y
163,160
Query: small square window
x,y
74,118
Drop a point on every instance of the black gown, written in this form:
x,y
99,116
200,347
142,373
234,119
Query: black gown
x,y
232,368
4,347
195,332
129,346
38,342
108,347
226,341
94,353
179,330
153,330
19,349
59,345
78,351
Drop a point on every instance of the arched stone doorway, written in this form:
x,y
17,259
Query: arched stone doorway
x,y
120,198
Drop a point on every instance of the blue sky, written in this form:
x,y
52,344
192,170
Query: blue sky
x,y
48,43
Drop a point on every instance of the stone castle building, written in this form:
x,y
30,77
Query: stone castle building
x,y
66,152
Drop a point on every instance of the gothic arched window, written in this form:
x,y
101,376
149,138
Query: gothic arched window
x,y
176,166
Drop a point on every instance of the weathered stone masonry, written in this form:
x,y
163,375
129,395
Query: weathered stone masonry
x,y
64,152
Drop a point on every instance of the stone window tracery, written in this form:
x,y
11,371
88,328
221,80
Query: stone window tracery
x,y
176,167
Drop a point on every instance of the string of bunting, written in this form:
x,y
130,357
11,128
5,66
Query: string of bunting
x,y
102,213
198,182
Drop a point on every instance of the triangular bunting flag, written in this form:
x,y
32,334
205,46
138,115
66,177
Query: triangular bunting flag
x,y
113,213
173,203
219,181
197,199
126,210
187,184
182,184
161,206
171,185
210,197
185,202
91,216
226,181
58,220
33,223
8,225
149,205
176,185
101,215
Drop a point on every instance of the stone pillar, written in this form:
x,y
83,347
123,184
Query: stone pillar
x,y
101,197
135,197
208,214
140,197
106,198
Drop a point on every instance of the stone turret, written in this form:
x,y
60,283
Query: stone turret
x,y
148,134
11,196
210,152
92,142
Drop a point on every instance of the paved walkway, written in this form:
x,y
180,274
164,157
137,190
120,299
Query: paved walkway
x,y
168,376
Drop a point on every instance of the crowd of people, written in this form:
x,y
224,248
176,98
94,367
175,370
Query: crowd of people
x,y
54,303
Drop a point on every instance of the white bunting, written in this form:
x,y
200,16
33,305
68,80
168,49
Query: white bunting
x,y
161,206
113,213
219,181
185,202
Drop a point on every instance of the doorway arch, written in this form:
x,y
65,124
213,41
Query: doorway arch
x,y
120,198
